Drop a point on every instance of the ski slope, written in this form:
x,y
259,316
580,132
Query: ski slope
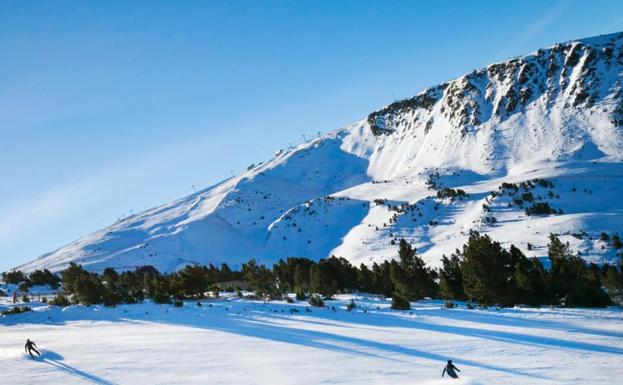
x,y
233,341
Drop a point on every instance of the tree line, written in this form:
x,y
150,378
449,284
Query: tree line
x,y
482,273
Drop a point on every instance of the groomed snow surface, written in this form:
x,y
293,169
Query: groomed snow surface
x,y
233,341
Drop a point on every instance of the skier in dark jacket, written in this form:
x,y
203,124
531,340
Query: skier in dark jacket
x,y
30,347
450,369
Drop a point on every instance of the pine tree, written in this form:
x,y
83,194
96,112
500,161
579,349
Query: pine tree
x,y
415,280
315,279
259,277
486,269
365,279
110,275
451,278
572,282
400,302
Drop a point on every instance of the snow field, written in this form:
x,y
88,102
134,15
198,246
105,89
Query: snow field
x,y
232,341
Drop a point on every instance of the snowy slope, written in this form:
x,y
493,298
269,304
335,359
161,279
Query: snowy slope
x,y
232,341
555,114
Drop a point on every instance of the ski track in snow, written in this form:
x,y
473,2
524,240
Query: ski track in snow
x,y
232,341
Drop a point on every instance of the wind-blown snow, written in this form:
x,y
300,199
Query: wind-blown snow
x,y
555,114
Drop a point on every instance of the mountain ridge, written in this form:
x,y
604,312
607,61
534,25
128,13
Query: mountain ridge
x,y
555,114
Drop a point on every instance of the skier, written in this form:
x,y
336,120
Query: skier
x,y
30,346
450,369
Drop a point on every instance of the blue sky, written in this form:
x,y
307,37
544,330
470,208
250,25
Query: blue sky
x,y
109,108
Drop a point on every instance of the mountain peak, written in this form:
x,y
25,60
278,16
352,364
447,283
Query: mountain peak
x,y
554,115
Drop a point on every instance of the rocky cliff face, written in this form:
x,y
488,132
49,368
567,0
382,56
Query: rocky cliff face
x,y
554,115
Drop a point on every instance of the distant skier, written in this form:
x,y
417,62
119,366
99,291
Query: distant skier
x,y
30,347
450,369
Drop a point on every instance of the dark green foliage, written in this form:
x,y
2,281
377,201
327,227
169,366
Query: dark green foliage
x,y
486,269
365,279
573,283
316,283
616,242
449,304
44,277
613,281
451,278
216,290
87,288
351,305
410,276
531,280
527,196
191,281
24,287
482,271
161,298
451,193
399,302
13,277
110,275
300,296
16,310
382,279
540,208
293,274
259,278
60,300
316,300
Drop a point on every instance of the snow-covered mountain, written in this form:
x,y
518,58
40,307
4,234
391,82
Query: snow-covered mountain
x,y
552,119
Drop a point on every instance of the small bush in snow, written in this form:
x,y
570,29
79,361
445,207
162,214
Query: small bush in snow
x,y
448,304
616,242
451,193
540,208
316,300
16,310
60,300
24,287
161,298
400,303
352,305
